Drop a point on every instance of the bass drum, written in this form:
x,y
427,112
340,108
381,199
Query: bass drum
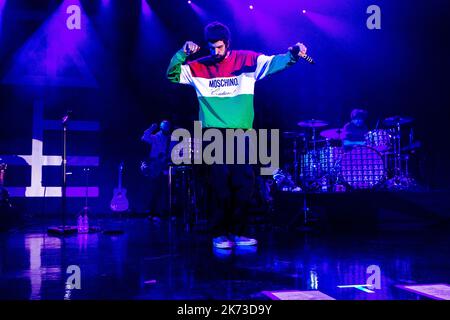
x,y
362,167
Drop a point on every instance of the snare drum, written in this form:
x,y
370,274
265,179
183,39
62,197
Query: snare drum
x,y
316,164
380,139
329,157
309,165
362,167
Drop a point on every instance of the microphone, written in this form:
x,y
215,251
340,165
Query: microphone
x,y
295,50
66,116
308,58
188,51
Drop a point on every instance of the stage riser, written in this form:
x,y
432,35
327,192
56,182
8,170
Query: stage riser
x,y
364,210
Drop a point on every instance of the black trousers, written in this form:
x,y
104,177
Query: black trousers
x,y
230,191
158,195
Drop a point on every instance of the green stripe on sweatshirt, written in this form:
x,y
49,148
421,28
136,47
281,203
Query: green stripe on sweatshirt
x,y
234,112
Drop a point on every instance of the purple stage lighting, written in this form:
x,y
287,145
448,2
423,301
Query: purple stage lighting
x,y
51,54
189,1
261,22
303,11
145,8
331,25
200,12
152,37
2,5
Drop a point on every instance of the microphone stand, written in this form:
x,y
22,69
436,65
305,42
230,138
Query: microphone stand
x,y
64,230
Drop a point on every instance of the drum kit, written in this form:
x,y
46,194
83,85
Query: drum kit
x,y
324,162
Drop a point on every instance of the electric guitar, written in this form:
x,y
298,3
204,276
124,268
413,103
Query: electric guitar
x,y
119,202
153,167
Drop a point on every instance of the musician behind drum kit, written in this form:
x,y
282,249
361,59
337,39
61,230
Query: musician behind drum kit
x,y
354,132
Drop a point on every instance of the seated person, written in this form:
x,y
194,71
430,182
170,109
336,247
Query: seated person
x,y
354,132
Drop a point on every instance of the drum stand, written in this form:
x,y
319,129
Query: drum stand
x,y
315,160
315,165
296,171
190,211
305,210
302,214
296,162
401,180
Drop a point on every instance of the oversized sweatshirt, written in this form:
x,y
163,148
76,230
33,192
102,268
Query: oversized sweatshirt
x,y
225,89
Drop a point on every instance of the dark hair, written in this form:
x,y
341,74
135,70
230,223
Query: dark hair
x,y
360,114
216,31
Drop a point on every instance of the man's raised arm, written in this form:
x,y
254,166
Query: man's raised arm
x,y
268,65
177,71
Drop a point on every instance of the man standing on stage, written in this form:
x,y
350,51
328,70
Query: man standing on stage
x,y
156,168
224,82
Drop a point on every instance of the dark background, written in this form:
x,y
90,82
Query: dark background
x,y
402,69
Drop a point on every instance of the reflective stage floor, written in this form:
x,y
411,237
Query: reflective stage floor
x,y
162,261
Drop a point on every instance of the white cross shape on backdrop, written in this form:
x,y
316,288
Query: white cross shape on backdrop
x,y
37,160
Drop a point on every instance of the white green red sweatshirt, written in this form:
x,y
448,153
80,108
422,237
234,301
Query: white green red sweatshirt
x,y
225,89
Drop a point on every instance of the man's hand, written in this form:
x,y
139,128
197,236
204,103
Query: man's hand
x,y
190,48
152,129
298,49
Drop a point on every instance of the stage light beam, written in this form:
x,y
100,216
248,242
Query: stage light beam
x,y
201,13
2,5
145,9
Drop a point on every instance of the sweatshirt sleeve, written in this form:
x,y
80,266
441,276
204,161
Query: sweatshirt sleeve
x,y
148,138
178,72
267,65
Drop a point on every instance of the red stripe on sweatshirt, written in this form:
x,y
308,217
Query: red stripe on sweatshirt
x,y
238,62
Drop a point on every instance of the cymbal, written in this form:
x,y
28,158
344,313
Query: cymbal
x,y
312,123
293,134
396,120
333,134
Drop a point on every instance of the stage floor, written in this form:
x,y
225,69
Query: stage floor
x,y
162,261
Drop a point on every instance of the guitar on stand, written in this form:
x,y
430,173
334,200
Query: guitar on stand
x,y
119,202
3,167
4,195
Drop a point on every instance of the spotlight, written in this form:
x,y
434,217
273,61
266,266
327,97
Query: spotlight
x,y
304,11
189,1
250,7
